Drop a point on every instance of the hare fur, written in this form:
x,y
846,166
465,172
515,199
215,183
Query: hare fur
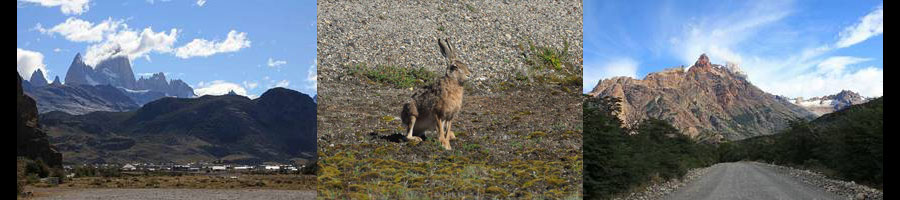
x,y
433,107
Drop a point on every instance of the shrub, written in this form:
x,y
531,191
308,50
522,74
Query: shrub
x,y
616,161
848,144
38,168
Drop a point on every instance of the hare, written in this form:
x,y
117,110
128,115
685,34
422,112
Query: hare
x,y
433,107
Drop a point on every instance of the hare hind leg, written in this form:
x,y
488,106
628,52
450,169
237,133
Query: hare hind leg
x,y
450,134
442,134
412,125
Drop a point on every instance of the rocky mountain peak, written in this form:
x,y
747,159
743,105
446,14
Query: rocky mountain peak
x,y
707,102
158,76
78,73
37,78
849,97
703,61
115,71
830,103
56,81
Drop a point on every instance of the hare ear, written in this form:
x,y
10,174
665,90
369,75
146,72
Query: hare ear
x,y
447,49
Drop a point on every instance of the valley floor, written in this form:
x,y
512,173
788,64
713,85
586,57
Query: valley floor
x,y
193,194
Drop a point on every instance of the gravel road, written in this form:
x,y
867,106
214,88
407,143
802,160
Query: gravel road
x,y
747,180
193,194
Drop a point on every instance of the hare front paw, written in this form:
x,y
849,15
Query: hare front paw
x,y
414,139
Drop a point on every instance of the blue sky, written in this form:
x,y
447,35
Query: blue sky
x,y
214,46
790,48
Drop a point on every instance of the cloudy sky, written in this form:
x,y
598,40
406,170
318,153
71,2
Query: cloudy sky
x,y
790,48
214,46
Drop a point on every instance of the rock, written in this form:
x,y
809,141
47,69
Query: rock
x,y
81,99
829,103
37,79
31,141
78,72
56,81
157,82
707,102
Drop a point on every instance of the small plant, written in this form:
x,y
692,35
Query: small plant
x,y
549,65
399,77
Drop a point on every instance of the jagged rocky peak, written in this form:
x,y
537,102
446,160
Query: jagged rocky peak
x,y
703,61
78,73
56,81
37,78
849,97
158,82
116,71
707,102
830,103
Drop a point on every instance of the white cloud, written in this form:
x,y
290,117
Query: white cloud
x,y
219,87
68,7
77,30
283,83
29,61
867,81
620,67
594,72
720,34
868,26
312,77
203,48
836,65
132,44
757,39
276,63
200,3
251,85
112,38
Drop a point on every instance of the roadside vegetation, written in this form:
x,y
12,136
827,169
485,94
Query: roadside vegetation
x,y
847,144
619,159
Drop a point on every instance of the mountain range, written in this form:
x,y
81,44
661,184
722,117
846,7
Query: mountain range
x,y
110,86
830,103
280,125
707,102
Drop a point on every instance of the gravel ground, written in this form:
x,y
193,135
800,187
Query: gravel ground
x,y
752,180
848,189
659,190
748,180
192,194
487,34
